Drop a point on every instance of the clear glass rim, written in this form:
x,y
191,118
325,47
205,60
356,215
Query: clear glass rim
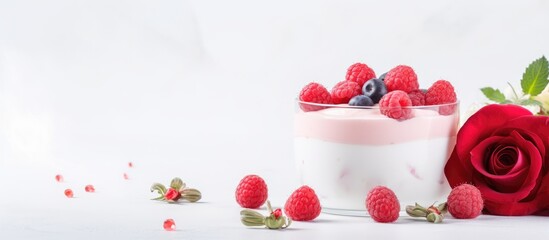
x,y
323,105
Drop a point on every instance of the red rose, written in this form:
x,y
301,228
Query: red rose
x,y
504,151
172,195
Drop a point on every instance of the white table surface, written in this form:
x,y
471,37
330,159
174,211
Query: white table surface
x,y
33,206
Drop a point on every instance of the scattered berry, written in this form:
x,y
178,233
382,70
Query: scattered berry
x,y
69,193
89,188
382,204
251,192
395,105
59,178
303,205
361,100
314,93
126,176
417,97
130,164
375,89
277,213
359,73
169,225
344,91
172,195
401,77
441,92
465,202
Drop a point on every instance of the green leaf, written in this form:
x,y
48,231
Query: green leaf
x,y
493,94
534,79
159,188
177,184
530,102
161,197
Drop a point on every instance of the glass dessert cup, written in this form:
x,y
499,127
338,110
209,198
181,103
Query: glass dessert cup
x,y
343,151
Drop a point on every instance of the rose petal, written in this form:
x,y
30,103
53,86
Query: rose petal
x,y
533,128
512,209
504,160
535,205
508,183
512,187
458,168
455,171
481,125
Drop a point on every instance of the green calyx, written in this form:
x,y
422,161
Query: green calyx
x,y
177,184
189,194
160,189
252,218
434,214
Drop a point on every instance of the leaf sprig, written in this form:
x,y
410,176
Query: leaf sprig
x,y
533,83
177,190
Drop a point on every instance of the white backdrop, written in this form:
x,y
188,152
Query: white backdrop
x,y
106,80
205,89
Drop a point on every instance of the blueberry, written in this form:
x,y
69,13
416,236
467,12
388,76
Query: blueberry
x,y
382,77
361,100
375,89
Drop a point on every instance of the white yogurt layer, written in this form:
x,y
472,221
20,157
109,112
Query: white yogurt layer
x,y
342,174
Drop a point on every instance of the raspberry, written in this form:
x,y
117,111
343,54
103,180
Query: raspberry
x,y
89,188
465,202
314,93
395,105
417,97
344,91
441,92
69,193
169,225
403,78
251,192
303,204
359,73
382,204
59,178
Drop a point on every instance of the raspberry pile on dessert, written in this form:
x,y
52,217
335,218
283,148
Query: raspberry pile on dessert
x,y
394,92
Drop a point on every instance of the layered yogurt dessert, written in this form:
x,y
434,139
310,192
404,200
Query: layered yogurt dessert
x,y
347,142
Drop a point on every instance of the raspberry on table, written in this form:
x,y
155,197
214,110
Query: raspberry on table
x,y
314,93
395,105
441,92
417,97
403,78
69,193
89,188
465,202
169,225
382,204
303,204
344,91
251,192
359,73
59,178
